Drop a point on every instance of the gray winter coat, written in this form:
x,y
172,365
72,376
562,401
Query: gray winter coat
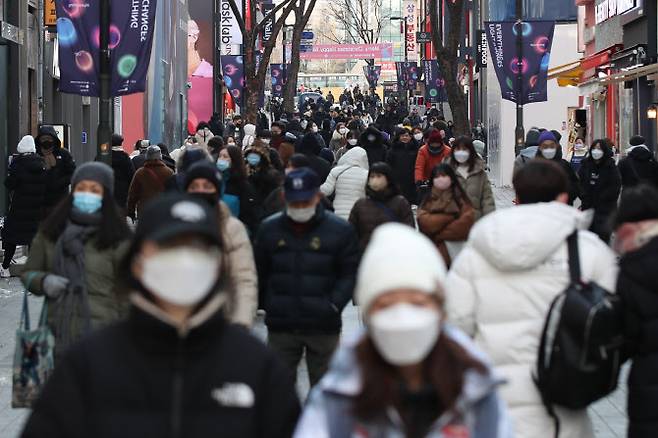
x,y
328,414
477,187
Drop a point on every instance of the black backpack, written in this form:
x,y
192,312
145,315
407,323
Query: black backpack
x,y
580,353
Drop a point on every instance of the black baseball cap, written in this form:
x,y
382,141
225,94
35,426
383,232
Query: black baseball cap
x,y
172,215
301,185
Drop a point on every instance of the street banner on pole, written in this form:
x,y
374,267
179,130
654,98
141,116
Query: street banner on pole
x,y
401,72
233,69
277,71
412,75
537,41
435,85
268,6
372,73
410,13
230,34
131,35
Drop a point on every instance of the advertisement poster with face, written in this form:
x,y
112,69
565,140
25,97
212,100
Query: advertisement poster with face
x,y
200,70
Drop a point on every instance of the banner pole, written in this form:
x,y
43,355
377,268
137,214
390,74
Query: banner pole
x,y
520,131
104,133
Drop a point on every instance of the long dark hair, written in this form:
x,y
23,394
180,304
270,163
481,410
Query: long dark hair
x,y
237,171
456,189
112,229
444,369
386,170
468,143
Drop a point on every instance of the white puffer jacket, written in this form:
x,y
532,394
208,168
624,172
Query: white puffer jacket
x,y
500,289
348,180
249,136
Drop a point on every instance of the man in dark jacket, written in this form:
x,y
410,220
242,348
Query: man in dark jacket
x,y
123,171
307,260
311,147
639,165
59,167
149,181
372,141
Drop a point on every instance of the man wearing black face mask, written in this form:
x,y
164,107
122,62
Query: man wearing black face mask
x,y
59,167
204,181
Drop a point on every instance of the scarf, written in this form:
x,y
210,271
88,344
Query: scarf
x,y
69,262
632,236
442,202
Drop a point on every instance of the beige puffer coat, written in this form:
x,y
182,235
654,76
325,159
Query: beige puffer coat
x,y
477,187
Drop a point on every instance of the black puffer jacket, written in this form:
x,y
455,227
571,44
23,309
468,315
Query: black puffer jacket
x,y
639,166
123,176
638,288
373,142
311,147
600,187
306,277
402,159
141,378
58,177
26,180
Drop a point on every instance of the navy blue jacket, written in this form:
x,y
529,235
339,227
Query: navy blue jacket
x,y
306,280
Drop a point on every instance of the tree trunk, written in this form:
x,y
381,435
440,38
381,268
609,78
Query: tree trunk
x,y
456,98
292,70
252,89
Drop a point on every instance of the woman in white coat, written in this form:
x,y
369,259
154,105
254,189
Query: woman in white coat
x,y
347,181
502,284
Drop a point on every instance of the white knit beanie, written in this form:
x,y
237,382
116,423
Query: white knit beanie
x,y
26,145
398,257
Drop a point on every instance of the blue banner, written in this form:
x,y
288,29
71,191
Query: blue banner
x,y
536,55
372,73
278,72
233,70
435,84
131,36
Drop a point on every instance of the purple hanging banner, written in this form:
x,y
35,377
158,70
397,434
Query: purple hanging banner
x,y
233,69
277,72
435,85
78,35
401,71
131,37
372,73
412,74
537,40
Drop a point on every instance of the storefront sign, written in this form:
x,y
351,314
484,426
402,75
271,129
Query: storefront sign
x,y
611,8
482,48
410,14
230,34
49,13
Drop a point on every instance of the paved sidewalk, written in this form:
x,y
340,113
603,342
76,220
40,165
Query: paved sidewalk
x,y
609,415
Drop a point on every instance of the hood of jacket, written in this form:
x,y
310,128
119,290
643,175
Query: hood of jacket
x,y
640,153
357,156
310,145
515,239
344,375
250,129
529,152
26,145
371,138
48,130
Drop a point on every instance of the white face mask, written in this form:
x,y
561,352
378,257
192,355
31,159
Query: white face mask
x,y
404,334
597,154
182,276
352,141
343,131
462,156
300,215
265,140
549,154
418,137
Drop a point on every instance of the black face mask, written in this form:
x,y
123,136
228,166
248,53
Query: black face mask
x,y
210,198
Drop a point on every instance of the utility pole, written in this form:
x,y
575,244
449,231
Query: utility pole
x,y
520,131
104,133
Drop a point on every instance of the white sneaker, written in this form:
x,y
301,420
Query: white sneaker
x,y
4,273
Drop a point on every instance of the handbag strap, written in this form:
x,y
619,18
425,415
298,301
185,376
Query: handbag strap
x,y
25,313
574,258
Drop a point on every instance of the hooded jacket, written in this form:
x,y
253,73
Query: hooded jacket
x,y
478,188
347,181
146,377
638,287
329,411
426,162
58,177
26,182
402,159
311,147
373,142
638,166
499,291
249,136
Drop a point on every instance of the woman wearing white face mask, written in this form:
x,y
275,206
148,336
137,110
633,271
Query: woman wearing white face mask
x,y
338,137
408,374
402,159
550,149
469,168
351,141
446,215
74,257
174,367
578,154
600,186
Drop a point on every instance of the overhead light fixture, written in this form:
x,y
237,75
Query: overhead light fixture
x,y
652,112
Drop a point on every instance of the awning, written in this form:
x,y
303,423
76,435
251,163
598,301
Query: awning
x,y
623,76
567,74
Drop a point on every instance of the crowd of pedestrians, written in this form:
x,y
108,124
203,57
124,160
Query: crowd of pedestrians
x,y
154,271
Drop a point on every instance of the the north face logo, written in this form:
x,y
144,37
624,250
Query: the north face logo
x,y
234,395
297,183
